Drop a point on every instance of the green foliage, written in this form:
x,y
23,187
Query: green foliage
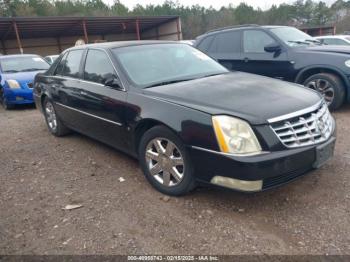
x,y
195,19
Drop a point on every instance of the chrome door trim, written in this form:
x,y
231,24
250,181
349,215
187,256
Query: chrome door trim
x,y
88,114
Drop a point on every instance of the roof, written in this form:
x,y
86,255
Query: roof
x,y
228,28
317,27
109,45
17,55
52,26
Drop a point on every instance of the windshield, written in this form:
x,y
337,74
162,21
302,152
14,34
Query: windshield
x,y
150,65
23,64
293,37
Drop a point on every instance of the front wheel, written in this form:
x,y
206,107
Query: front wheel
x,y
330,86
55,125
165,162
4,103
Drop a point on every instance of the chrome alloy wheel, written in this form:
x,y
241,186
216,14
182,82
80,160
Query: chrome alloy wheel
x,y
324,87
51,116
165,162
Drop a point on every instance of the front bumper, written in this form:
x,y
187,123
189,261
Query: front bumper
x,y
272,169
18,96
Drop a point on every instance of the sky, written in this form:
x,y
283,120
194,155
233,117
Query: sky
x,y
263,4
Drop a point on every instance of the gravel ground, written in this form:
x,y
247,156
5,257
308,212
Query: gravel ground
x,y
41,174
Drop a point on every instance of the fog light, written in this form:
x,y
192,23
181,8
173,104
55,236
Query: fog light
x,y
242,185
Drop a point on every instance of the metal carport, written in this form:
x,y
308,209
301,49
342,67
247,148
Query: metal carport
x,y
51,35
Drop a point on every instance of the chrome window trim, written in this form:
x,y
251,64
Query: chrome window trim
x,y
88,114
230,154
80,80
296,113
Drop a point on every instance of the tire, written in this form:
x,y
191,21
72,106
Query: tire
x,y
54,124
318,83
180,180
4,103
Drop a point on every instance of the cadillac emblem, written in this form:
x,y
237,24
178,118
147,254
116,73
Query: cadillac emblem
x,y
320,126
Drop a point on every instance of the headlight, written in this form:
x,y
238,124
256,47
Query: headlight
x,y
347,63
235,135
13,84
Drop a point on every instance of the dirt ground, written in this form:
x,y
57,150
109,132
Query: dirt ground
x,y
41,174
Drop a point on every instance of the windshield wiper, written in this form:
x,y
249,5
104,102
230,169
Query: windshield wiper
x,y
209,75
169,82
11,71
298,42
313,41
33,69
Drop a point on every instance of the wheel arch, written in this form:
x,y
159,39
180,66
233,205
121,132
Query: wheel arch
x,y
309,71
143,126
312,70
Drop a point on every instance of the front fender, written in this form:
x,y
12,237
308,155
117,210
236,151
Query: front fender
x,y
192,126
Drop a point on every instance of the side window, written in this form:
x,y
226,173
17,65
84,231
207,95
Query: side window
x,y
340,42
330,41
228,42
61,65
205,44
254,41
98,67
72,63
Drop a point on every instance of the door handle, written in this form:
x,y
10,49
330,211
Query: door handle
x,y
246,59
83,93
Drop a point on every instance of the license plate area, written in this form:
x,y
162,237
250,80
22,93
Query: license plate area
x,y
324,153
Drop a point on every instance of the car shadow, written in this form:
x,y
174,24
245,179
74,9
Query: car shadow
x,y
22,107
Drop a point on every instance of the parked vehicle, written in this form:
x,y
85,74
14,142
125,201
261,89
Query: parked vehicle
x,y
51,58
285,53
334,39
185,117
16,78
189,42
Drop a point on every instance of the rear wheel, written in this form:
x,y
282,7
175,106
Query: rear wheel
x,y
165,162
55,125
330,86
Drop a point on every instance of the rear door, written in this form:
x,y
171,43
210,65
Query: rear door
x,y
256,60
225,47
103,106
65,87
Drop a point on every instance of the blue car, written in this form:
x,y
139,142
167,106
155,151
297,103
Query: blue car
x,y
17,74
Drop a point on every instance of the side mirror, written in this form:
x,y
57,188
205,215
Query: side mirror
x,y
273,48
113,82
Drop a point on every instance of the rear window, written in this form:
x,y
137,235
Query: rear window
x,y
70,64
205,43
229,42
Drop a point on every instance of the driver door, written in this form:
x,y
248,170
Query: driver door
x,y
103,106
257,61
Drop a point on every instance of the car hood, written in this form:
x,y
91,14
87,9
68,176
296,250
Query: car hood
x,y
22,77
247,96
329,49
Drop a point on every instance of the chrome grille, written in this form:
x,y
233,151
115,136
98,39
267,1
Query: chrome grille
x,y
305,129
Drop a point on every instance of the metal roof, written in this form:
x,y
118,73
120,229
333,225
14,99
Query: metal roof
x,y
116,44
32,27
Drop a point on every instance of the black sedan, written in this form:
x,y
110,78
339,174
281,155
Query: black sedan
x,y
185,117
